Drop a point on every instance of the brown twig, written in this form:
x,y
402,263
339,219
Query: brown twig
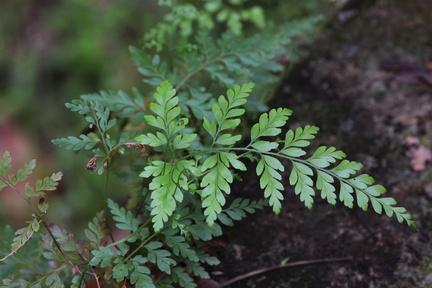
x,y
292,264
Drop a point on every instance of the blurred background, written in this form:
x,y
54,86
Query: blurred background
x,y
53,51
50,53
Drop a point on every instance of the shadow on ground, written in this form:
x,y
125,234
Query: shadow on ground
x,y
366,85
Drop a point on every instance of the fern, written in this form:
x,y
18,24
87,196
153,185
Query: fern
x,y
237,210
226,61
193,143
221,157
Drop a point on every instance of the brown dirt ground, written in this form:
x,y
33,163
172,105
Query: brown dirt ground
x,y
367,112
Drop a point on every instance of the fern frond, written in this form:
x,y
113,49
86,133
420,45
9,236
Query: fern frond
x,y
75,143
327,164
141,275
23,235
119,101
125,219
5,164
216,169
160,257
237,210
181,277
269,123
97,230
179,245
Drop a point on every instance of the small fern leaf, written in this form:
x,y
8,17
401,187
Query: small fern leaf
x,y
165,108
237,210
5,164
179,245
379,204
324,156
160,257
102,257
301,177
54,280
324,183
197,269
23,235
24,172
215,183
163,202
140,277
153,140
49,183
346,168
96,230
226,113
345,194
80,106
75,143
269,123
167,189
295,140
181,277
125,219
267,168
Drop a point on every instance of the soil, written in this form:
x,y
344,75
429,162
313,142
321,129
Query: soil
x,y
368,85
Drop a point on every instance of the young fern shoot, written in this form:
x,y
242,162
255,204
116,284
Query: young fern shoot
x,y
209,172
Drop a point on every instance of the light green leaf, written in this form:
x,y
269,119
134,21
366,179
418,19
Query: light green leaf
x,y
347,168
324,183
264,146
345,194
209,126
324,156
227,139
269,123
300,137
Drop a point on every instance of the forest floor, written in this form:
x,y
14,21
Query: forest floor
x,y
367,84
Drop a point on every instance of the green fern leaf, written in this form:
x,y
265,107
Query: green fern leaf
x,y
160,257
324,183
225,112
96,230
200,230
346,168
79,106
215,183
180,276
167,184
324,156
207,259
197,269
269,123
23,235
268,168
295,141
49,183
102,257
121,271
76,144
54,280
140,277
5,165
179,246
119,101
125,219
236,211
301,177
24,172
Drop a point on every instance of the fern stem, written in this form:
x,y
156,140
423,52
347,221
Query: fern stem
x,y
19,193
59,248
